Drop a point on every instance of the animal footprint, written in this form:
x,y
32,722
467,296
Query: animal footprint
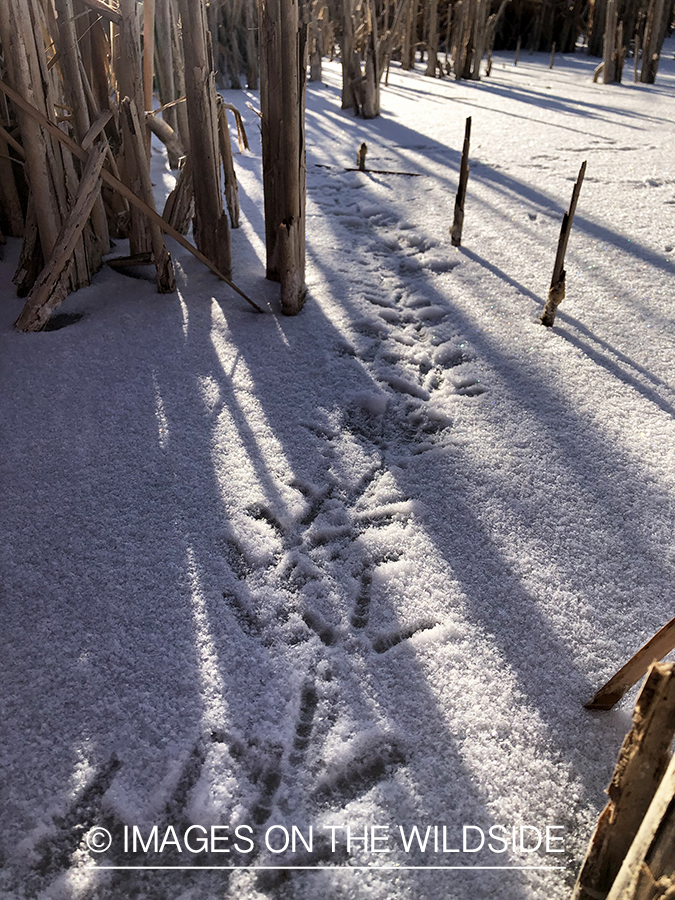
x,y
326,633
362,606
387,640
309,701
374,761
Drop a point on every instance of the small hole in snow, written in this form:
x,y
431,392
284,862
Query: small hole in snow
x,y
61,320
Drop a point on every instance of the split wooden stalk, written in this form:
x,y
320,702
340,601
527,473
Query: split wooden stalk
x,y
556,293
118,185
11,214
648,869
316,41
432,42
168,137
282,98
231,187
148,64
535,39
252,73
88,253
93,105
30,259
448,32
636,56
129,64
642,762
620,53
232,61
179,74
50,288
410,36
104,9
62,178
84,21
164,66
458,221
490,30
656,648
361,157
128,70
180,204
480,11
652,40
351,68
242,139
610,47
378,50
69,60
211,231
596,27
15,28
98,75
471,37
95,129
135,148
371,97
458,38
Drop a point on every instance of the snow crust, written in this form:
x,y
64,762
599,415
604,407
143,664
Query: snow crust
x,y
362,567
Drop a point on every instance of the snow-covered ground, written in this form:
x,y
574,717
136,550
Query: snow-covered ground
x,y
359,568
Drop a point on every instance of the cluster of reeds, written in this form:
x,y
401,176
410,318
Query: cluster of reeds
x,y
80,83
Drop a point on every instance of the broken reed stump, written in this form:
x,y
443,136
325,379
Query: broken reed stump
x,y
129,72
556,293
211,229
458,221
642,762
242,139
361,157
51,288
656,648
231,186
648,871
283,66
180,204
134,151
161,129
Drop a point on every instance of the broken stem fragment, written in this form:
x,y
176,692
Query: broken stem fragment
x,y
556,293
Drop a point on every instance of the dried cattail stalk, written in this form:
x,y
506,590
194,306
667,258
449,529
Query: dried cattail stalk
x,y
556,292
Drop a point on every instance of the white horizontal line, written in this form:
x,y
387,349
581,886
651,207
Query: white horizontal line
x,y
327,868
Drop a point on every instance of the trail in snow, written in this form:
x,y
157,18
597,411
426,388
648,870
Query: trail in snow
x,y
362,567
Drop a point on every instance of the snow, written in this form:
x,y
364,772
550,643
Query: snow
x,y
360,568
